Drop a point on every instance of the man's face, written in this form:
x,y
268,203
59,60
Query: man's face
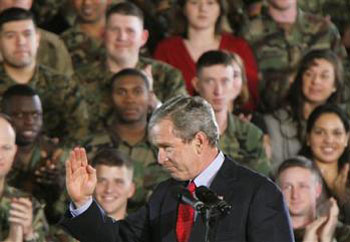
x,y
7,147
26,113
124,36
179,158
216,85
90,11
114,187
130,98
25,4
300,189
19,42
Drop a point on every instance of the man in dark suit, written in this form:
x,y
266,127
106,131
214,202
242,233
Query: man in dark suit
x,y
185,131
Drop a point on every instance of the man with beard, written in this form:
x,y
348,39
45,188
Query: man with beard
x,y
127,132
38,167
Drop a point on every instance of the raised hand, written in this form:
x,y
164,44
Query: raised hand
x,y
341,187
80,177
328,229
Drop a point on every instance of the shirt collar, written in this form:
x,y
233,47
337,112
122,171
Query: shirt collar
x,y
207,176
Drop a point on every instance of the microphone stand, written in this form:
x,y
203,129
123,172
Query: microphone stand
x,y
210,215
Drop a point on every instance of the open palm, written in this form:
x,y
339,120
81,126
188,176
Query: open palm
x,y
80,177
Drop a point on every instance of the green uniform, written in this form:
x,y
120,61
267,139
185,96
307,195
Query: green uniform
x,y
243,141
53,53
96,80
341,234
64,110
40,225
83,49
147,172
22,176
279,51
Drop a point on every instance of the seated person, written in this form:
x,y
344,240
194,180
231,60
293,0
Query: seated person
x,y
301,184
318,81
126,131
21,215
39,162
327,145
219,81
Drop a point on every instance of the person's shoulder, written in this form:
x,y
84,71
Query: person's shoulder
x,y
50,73
314,23
157,65
251,179
171,41
243,126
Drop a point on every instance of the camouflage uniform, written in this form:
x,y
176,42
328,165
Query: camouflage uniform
x,y
65,112
53,53
147,172
22,176
46,9
243,141
39,221
278,51
96,79
83,49
342,233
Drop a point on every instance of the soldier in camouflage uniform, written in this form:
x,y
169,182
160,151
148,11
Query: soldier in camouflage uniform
x,y
123,52
312,219
52,50
217,81
64,108
127,132
280,43
84,40
27,217
39,162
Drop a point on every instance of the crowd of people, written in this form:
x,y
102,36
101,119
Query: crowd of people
x,y
91,73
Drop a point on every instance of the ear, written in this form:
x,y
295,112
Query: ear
x,y
38,37
145,35
195,83
199,142
318,189
132,190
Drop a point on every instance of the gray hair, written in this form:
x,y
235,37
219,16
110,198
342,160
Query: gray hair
x,y
189,116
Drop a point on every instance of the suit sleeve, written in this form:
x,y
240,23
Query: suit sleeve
x,y
268,216
93,225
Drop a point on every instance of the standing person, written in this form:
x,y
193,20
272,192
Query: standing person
x,y
52,51
301,184
185,131
280,37
65,112
319,80
219,81
327,144
201,28
84,39
21,216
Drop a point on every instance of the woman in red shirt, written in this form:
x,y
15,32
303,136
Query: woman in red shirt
x,y
199,27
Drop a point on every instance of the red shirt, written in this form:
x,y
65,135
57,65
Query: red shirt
x,y
173,51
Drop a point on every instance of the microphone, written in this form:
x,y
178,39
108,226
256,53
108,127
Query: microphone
x,y
211,199
187,198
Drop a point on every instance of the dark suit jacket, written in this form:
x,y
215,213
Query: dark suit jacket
x,y
258,214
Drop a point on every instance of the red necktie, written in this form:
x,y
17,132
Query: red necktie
x,y
185,217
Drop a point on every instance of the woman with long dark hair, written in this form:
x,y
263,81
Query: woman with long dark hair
x,y
319,80
327,144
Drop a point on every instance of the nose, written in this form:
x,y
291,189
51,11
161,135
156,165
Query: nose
x,y
295,192
86,2
28,119
328,138
21,39
217,89
108,187
121,35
